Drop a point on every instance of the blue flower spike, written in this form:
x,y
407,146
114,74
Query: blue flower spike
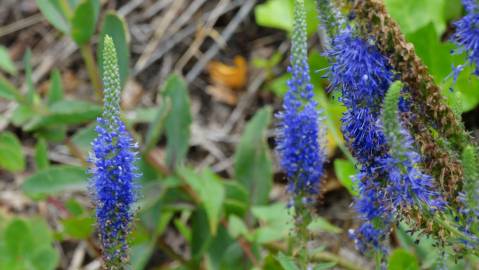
x,y
114,173
299,132
466,36
389,180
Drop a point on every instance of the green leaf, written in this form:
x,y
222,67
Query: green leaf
x,y
53,13
78,227
9,91
205,185
237,198
276,222
41,154
141,115
6,62
115,26
344,170
401,259
28,245
156,126
83,138
74,207
66,112
253,167
55,91
320,224
18,237
55,133
279,14
435,54
45,259
200,233
11,153
236,227
31,93
22,114
55,180
279,85
286,262
178,121
414,14
84,21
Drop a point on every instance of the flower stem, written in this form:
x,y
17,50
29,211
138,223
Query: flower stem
x,y
92,69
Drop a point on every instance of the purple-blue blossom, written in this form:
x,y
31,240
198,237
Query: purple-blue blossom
x,y
466,36
389,179
301,155
114,172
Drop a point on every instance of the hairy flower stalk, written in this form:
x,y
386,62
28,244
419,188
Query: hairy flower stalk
x,y
466,36
299,133
429,120
114,172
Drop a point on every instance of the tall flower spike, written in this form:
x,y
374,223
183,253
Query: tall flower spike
x,y
408,186
363,76
301,155
466,36
114,172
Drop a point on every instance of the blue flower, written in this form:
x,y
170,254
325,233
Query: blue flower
x,y
390,179
466,36
363,75
299,148
114,172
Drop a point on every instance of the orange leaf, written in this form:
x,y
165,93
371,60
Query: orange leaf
x,y
234,76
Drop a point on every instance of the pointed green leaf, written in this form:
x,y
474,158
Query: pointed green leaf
x,y
209,187
178,121
83,138
279,14
55,91
115,26
66,112
51,10
253,167
9,91
344,170
55,180
286,262
84,21
6,62
41,154
401,259
414,14
11,153
155,128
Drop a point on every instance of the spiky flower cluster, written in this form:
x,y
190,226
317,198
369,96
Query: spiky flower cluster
x,y
466,36
114,172
388,183
300,152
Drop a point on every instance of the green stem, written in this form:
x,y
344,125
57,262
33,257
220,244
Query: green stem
x,y
66,9
439,219
378,259
87,55
92,69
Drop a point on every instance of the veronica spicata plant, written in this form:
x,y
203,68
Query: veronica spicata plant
x,y
299,134
301,154
114,172
390,181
